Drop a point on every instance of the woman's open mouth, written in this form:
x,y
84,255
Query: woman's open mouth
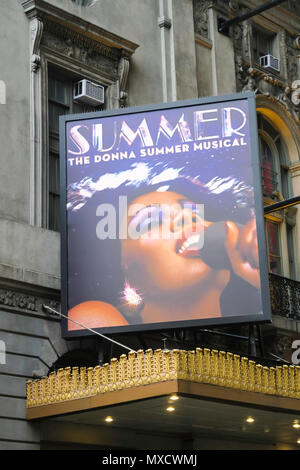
x,y
190,247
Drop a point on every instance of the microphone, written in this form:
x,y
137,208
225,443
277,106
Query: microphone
x,y
214,252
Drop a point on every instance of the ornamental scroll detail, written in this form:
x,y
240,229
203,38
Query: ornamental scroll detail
x,y
17,300
26,302
281,87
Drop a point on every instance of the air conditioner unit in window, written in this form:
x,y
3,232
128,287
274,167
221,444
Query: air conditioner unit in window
x,y
88,92
270,62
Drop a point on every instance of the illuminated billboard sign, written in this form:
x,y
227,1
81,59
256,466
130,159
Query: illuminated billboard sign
x,y
162,218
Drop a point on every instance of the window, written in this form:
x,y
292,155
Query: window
x,y
276,185
274,166
60,101
291,251
273,242
263,43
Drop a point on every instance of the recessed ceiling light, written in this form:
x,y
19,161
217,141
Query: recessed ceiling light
x,y
174,397
170,408
296,424
108,419
298,441
250,419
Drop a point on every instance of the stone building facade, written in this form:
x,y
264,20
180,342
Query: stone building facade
x,y
142,52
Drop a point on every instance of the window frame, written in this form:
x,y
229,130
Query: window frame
x,y
278,255
67,40
279,218
281,163
268,30
68,80
275,157
49,63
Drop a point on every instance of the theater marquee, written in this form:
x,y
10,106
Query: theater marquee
x,y
162,218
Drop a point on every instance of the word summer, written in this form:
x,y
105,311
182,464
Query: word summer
x,y
207,124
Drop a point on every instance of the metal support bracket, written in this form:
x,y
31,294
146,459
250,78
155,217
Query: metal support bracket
x,y
277,206
223,25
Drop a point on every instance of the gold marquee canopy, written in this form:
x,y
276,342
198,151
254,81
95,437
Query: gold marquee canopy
x,y
144,374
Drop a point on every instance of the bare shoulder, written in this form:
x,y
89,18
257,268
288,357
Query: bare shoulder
x,y
95,314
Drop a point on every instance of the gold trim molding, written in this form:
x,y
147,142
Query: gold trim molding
x,y
205,366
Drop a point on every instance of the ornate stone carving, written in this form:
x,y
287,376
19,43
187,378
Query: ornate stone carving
x,y
26,302
292,59
18,300
75,39
36,27
71,45
295,93
201,17
233,5
283,88
240,34
250,84
123,74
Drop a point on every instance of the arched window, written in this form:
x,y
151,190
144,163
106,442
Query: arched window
x,y
274,162
276,185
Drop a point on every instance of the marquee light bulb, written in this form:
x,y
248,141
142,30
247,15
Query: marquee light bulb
x,y
174,397
108,419
250,419
170,409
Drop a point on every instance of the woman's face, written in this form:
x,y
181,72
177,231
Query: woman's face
x,y
157,263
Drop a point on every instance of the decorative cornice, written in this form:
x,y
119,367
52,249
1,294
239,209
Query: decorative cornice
x,y
76,38
26,302
142,368
75,48
43,10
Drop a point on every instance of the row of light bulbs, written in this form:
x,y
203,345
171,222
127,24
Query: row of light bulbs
x,y
173,398
171,408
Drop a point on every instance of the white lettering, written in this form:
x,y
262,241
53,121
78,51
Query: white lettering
x,y
228,130
80,142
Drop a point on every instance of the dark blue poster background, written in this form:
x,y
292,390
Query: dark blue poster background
x,y
199,155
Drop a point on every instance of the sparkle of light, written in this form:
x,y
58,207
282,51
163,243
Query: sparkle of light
x,y
131,296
